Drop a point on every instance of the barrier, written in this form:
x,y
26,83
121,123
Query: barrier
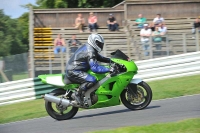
x,y
149,70
22,90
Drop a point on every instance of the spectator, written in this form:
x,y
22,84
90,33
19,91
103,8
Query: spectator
x,y
145,33
196,25
112,24
59,44
79,22
74,44
92,21
157,38
162,29
140,21
157,20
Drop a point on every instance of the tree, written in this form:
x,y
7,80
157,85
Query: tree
x,y
24,25
76,3
10,36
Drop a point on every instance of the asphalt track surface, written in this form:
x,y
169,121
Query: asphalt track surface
x,y
166,110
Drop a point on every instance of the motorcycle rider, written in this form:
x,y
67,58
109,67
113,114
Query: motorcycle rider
x,y
85,58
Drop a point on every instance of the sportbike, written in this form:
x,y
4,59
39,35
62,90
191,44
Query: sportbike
x,y
110,90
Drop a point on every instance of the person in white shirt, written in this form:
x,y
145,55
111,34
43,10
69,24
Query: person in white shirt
x,y
145,34
158,19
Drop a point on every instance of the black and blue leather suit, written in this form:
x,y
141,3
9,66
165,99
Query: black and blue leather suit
x,y
85,58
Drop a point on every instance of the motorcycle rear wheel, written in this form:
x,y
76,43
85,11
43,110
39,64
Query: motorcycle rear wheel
x,y
60,112
137,101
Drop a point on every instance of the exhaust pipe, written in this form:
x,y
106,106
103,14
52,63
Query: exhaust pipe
x,y
57,100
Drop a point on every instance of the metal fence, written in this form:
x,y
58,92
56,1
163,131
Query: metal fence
x,y
14,67
171,44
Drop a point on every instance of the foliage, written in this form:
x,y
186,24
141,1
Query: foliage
x,y
11,37
23,23
76,3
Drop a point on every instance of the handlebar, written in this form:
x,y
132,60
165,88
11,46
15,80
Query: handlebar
x,y
116,68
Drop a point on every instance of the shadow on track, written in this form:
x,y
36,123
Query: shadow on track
x,y
113,112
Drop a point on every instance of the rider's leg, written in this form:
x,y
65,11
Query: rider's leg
x,y
86,80
82,89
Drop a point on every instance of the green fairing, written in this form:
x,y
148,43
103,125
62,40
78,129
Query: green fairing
x,y
108,93
108,96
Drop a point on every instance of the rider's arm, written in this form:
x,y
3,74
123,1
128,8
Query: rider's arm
x,y
103,59
95,67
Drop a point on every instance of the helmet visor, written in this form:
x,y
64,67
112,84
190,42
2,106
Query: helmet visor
x,y
100,44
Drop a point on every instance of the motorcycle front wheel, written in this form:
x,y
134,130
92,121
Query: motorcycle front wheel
x,y
59,112
136,97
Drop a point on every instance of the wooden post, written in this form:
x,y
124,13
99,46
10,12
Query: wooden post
x,y
31,42
167,44
125,11
197,39
184,43
150,47
67,53
62,63
1,71
4,76
50,62
128,43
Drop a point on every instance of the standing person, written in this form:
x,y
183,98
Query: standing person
x,y
157,38
79,23
92,21
140,21
74,44
85,58
112,23
145,34
196,25
59,44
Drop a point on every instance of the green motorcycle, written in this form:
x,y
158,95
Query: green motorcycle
x,y
135,94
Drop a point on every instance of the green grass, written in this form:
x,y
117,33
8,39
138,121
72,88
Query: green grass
x,y
15,76
22,111
185,126
161,89
175,87
20,76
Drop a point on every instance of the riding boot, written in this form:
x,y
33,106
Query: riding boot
x,y
78,96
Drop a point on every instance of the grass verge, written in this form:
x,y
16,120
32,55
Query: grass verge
x,y
22,111
161,89
175,87
20,76
185,126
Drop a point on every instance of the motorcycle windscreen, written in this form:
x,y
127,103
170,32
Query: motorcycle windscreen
x,y
118,54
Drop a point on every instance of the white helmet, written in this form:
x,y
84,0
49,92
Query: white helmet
x,y
96,41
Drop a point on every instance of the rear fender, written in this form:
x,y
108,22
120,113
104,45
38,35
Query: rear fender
x,y
53,79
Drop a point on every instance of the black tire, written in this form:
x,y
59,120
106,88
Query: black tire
x,y
53,112
147,98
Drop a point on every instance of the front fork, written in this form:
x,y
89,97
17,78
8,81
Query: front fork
x,y
132,87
